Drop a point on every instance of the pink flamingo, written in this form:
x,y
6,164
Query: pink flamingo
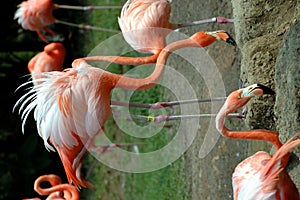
x,y
57,191
35,15
72,106
145,24
51,59
264,177
238,99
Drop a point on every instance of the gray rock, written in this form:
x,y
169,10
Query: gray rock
x,y
287,85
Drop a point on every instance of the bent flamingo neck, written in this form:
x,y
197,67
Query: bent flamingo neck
x,y
256,134
56,186
153,79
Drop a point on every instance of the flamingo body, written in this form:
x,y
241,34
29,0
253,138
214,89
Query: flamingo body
x,y
262,177
35,15
145,24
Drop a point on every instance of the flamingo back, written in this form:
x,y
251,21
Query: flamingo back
x,y
34,15
246,181
262,177
145,24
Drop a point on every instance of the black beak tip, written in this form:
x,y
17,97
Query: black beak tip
x,y
230,40
266,89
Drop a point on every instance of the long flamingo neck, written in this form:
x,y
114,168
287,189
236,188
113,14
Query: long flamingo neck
x,y
220,120
153,79
52,179
68,191
124,60
256,134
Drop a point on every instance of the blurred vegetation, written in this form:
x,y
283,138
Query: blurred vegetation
x,y
23,156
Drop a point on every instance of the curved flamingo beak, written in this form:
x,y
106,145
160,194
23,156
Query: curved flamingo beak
x,y
223,35
255,90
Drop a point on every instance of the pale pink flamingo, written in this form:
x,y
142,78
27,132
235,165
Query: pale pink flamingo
x,y
262,176
71,107
36,15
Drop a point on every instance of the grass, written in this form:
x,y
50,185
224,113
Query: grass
x,y
166,183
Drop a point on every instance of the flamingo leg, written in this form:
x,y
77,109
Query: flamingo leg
x,y
87,27
217,19
160,105
164,118
42,36
86,8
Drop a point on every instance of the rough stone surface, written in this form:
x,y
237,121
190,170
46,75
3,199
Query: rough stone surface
x,y
257,66
287,85
260,27
254,19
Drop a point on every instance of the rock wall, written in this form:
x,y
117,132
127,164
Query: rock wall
x,y
267,33
287,85
260,28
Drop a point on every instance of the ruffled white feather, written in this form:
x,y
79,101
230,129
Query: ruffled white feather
x,y
63,103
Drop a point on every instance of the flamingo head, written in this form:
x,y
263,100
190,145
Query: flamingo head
x,y
240,97
205,38
223,36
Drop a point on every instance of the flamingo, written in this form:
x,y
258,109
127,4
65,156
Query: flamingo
x,y
35,15
51,59
238,99
261,176
57,190
145,24
71,107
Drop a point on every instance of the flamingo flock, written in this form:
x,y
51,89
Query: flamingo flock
x,y
71,105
